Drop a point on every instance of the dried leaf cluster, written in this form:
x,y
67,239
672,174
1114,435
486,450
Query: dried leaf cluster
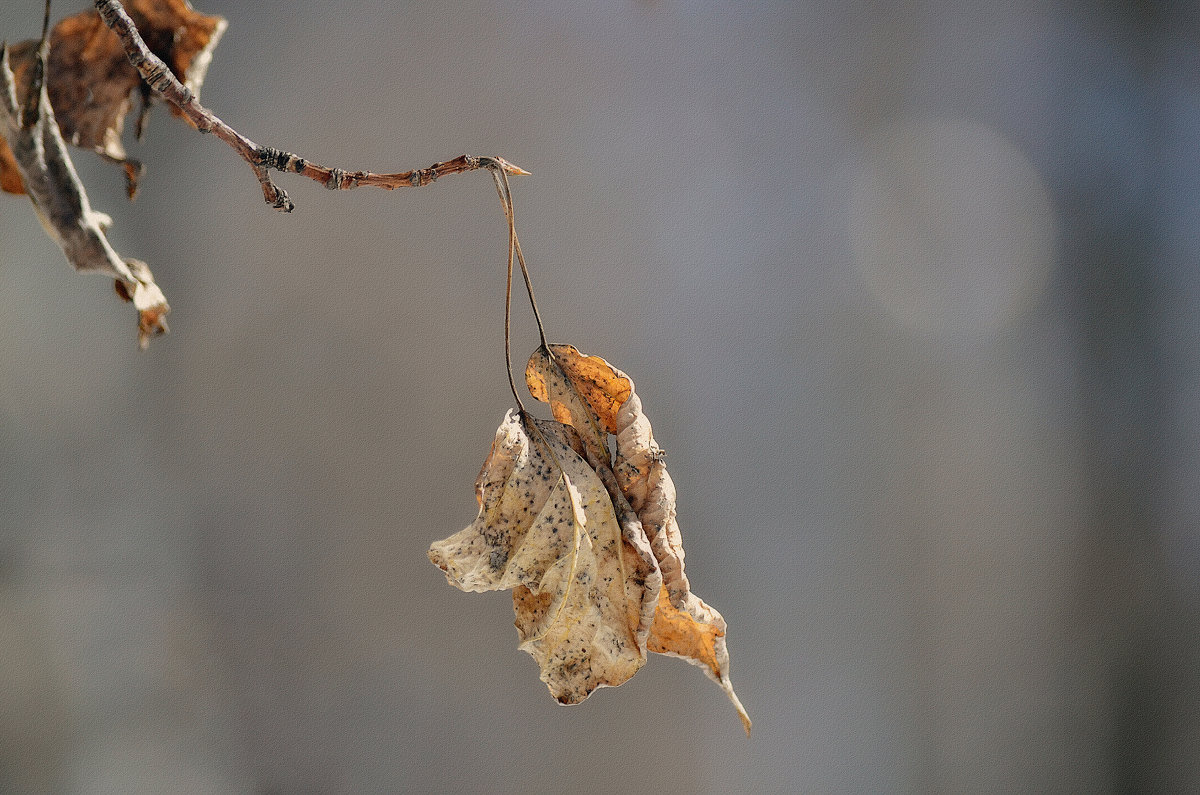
x,y
586,538
91,84
76,84
89,68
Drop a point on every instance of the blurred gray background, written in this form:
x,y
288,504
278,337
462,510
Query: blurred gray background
x,y
909,292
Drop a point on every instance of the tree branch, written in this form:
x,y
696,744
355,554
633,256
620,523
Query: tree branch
x,y
262,159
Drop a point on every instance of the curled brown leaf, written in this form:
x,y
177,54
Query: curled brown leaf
x,y
48,177
91,83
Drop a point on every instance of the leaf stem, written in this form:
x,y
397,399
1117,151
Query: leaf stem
x,y
502,188
512,220
500,177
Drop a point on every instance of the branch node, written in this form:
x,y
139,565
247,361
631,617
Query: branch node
x,y
337,176
271,158
268,157
276,196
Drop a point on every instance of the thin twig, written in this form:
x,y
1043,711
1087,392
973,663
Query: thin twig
x,y
264,158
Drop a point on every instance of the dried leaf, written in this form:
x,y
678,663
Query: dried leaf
x,y
596,399
92,83
62,205
554,504
584,592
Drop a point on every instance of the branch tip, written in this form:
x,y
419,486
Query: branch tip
x,y
508,168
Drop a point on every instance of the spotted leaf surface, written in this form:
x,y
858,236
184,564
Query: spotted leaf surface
x,y
547,530
597,399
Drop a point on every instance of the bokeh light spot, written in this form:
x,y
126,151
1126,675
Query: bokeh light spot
x,y
951,226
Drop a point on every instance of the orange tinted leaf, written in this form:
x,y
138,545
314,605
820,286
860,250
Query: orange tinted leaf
x,y
601,386
696,633
10,177
595,397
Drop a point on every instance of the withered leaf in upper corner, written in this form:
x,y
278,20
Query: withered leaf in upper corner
x,y
91,82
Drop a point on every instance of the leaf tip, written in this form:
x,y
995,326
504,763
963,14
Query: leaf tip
x,y
737,704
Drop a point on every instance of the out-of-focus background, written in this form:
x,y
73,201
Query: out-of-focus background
x,y
909,291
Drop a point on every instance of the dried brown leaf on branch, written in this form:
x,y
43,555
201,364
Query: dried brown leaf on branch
x,y
48,176
90,66
538,463
91,82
